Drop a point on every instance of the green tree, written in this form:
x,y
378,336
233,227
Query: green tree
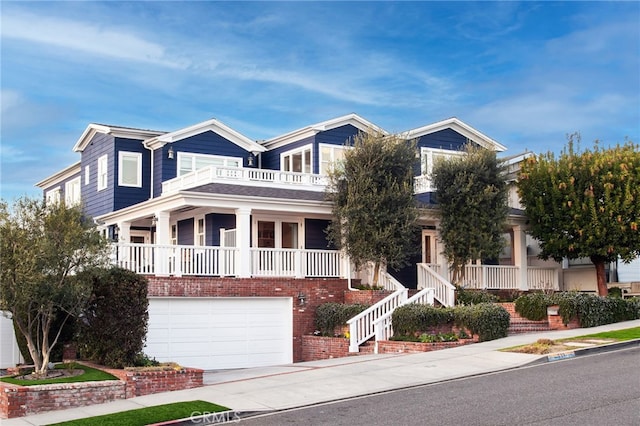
x,y
584,204
375,214
42,247
113,328
471,196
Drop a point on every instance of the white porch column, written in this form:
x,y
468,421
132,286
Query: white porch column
x,y
243,242
163,239
520,256
124,237
124,233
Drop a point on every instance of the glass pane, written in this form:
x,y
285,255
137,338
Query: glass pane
x,y
266,234
307,161
286,165
129,170
289,235
185,165
296,165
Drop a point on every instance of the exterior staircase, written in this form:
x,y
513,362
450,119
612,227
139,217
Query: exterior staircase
x,y
375,321
520,325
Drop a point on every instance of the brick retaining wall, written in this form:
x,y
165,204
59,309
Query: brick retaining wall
x,y
319,347
394,347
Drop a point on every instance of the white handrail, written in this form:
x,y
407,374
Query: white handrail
x,y
361,326
389,283
444,291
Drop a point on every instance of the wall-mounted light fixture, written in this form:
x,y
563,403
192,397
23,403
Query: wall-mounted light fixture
x,y
250,160
154,220
302,298
170,153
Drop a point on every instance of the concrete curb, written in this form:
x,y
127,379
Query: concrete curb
x,y
585,351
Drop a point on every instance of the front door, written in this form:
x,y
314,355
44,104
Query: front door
x,y
429,248
281,241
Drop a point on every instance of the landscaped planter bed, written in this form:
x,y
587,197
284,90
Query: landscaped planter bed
x,y
394,347
18,401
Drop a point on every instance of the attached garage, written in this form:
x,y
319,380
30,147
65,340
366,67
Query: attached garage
x,y
221,333
9,351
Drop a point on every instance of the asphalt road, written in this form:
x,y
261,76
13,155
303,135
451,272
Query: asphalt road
x,y
601,389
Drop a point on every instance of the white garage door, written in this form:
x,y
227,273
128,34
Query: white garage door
x,y
220,333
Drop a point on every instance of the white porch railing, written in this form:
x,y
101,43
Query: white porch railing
x,y
542,278
151,259
491,277
180,260
245,176
389,283
444,291
361,327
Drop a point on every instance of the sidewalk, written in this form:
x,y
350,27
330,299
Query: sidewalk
x,y
296,385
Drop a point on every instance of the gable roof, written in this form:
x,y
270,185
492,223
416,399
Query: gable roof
x,y
60,176
209,125
116,131
460,127
353,119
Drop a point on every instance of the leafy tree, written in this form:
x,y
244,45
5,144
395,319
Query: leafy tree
x,y
584,204
112,330
374,211
42,246
471,194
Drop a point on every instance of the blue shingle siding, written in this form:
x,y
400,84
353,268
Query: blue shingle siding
x,y
443,139
185,232
315,236
216,221
159,169
125,196
98,202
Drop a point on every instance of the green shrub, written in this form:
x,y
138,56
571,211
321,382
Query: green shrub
x,y
473,297
413,318
332,315
615,292
590,310
533,306
488,320
113,328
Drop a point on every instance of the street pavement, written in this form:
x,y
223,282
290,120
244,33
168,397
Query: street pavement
x,y
296,385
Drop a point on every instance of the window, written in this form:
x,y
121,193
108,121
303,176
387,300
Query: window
x,y
130,169
102,172
188,163
297,161
330,155
429,156
72,191
199,232
53,196
87,174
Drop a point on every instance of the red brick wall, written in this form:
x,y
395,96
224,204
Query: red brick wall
x,y
141,383
18,401
389,346
318,347
317,291
365,297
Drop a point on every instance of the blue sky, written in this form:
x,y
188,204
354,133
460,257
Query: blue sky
x,y
524,73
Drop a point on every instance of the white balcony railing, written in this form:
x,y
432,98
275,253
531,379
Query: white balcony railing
x,y
180,260
245,176
542,278
263,177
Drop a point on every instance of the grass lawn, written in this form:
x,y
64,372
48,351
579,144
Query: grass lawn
x,y
547,346
89,375
148,415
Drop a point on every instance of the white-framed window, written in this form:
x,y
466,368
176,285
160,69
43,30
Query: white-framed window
x,y
72,191
188,163
429,156
102,172
298,160
87,174
199,231
330,155
130,169
52,196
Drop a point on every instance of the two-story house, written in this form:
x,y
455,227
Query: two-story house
x,y
231,232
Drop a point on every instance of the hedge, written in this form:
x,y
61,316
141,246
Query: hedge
x,y
489,321
590,310
332,315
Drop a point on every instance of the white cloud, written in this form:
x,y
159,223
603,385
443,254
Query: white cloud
x,y
92,39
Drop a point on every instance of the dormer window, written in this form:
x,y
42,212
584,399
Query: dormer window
x,y
72,192
130,169
297,160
